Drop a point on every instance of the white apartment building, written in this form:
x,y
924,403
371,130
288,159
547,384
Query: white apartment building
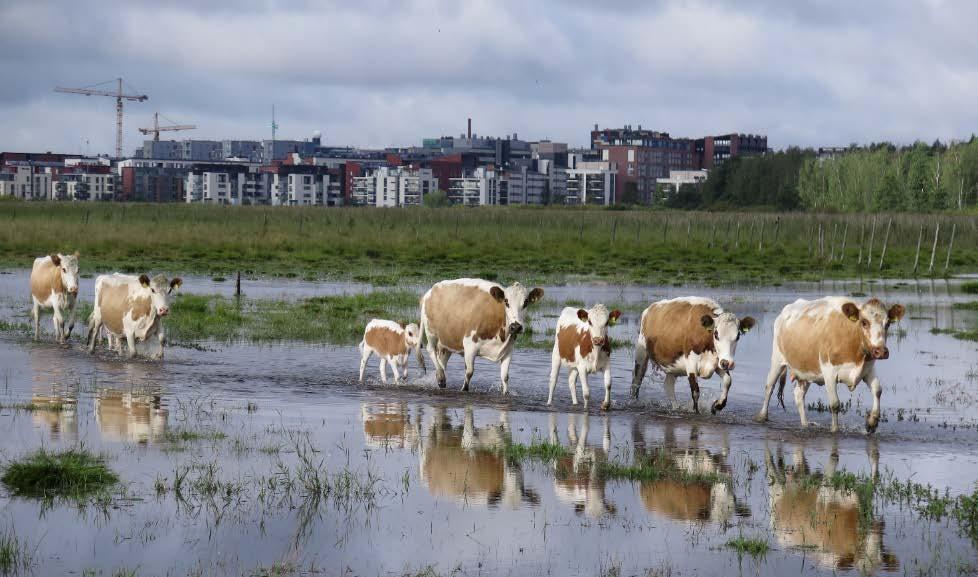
x,y
233,185
590,183
298,189
527,186
84,186
484,187
399,186
678,178
25,181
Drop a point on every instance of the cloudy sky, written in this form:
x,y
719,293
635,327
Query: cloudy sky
x,y
808,72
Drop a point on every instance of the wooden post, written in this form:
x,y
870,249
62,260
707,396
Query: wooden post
x,y
614,231
777,229
750,234
580,231
950,244
689,228
737,242
872,239
237,285
726,238
760,240
821,241
811,235
933,250
845,237
916,258
886,239
862,238
713,239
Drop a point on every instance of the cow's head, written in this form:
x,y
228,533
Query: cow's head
x,y
598,318
412,336
726,329
873,320
515,298
159,289
68,269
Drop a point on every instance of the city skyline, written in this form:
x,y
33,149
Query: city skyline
x,y
807,74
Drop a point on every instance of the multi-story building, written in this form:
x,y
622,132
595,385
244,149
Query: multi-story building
x,y
224,183
590,183
82,182
485,186
526,185
249,150
712,151
678,178
642,156
22,179
152,180
273,150
394,186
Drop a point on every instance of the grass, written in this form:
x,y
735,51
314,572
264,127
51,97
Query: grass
x,y
655,467
74,474
32,407
970,288
190,435
752,546
535,451
389,246
331,319
16,556
968,306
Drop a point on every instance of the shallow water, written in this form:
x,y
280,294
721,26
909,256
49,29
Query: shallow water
x,y
426,487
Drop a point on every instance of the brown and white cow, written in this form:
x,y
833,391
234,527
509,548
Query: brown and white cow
x,y
474,317
132,307
578,480
582,345
692,337
393,343
828,341
54,285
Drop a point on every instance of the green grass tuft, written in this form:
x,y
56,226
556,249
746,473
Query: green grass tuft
x,y
15,554
74,474
536,451
755,547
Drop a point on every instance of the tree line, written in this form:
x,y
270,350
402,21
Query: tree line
x,y
883,176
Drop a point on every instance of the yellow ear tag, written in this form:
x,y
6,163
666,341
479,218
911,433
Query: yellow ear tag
x,y
613,321
854,318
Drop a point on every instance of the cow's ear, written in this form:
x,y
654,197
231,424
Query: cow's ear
x,y
55,259
144,280
707,322
535,295
582,314
76,255
614,316
746,324
497,293
851,311
895,313
175,284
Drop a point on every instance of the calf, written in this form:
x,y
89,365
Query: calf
x,y
131,307
582,346
390,341
474,317
54,285
689,336
827,341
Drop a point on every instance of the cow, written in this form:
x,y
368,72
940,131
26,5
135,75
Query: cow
x,y
582,345
387,425
54,285
810,512
393,343
827,341
577,477
692,337
131,307
129,416
474,317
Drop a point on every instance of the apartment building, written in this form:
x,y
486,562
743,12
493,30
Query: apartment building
x,y
485,186
590,183
393,186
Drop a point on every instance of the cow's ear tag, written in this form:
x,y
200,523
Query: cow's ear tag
x,y
854,318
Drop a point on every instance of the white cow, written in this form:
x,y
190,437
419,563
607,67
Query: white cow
x,y
54,285
131,307
582,345
474,317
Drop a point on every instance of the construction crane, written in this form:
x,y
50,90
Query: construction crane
x,y
157,129
119,96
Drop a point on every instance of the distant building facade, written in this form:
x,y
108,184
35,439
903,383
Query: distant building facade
x,y
712,151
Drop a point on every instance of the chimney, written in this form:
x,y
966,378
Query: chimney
x,y
470,128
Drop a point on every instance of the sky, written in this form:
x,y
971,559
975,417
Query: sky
x,y
388,73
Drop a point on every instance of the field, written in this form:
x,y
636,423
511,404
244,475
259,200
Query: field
x,y
385,246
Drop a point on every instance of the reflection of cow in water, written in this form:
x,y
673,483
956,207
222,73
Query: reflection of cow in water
x,y
130,416
806,512
58,414
389,425
466,463
681,500
578,481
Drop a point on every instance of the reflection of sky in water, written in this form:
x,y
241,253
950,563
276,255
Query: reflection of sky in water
x,y
467,505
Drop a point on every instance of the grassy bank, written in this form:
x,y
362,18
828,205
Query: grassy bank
x,y
385,246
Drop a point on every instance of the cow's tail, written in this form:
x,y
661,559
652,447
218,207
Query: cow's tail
x,y
781,383
423,329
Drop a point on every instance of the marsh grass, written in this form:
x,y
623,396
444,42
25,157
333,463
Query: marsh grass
x,y
753,546
16,555
387,246
31,407
177,436
655,467
535,451
73,474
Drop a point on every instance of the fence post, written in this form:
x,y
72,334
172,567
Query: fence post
x,y
835,230
237,285
916,258
760,240
845,237
950,244
933,250
872,239
886,239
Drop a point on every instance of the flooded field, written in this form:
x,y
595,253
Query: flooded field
x,y
269,459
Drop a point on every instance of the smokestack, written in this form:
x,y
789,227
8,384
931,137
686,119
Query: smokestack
x,y
469,133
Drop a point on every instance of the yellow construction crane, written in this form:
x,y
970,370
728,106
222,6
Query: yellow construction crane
x,y
157,129
119,96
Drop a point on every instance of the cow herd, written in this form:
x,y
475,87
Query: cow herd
x,y
826,341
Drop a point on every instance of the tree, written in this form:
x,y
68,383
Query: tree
x,y
436,199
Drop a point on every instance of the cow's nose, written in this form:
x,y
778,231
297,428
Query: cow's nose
x,y
598,341
515,328
73,291
727,365
880,353
164,311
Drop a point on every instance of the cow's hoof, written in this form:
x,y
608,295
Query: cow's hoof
x,y
871,425
760,418
606,406
716,407
442,384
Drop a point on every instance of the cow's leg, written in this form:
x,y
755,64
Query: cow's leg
x,y
394,369
801,389
554,373
777,368
585,388
59,324
607,388
504,372
364,357
36,314
831,390
720,403
131,341
404,368
441,362
641,365
383,368
669,384
71,317
572,384
468,355
873,419
94,327
694,391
